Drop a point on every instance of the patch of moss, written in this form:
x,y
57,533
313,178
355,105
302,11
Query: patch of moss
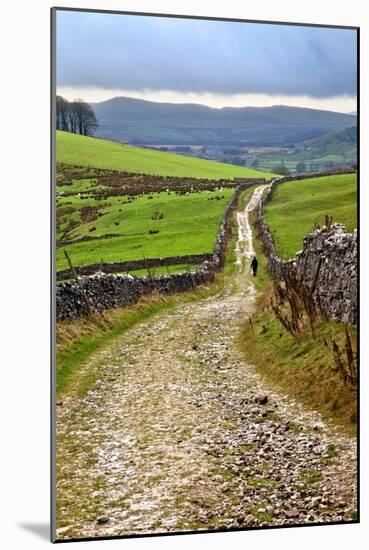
x,y
310,476
259,512
256,481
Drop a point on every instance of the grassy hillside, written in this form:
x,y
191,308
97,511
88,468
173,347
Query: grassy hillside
x,y
86,151
297,205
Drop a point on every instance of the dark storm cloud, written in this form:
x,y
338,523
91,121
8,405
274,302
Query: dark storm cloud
x,y
149,53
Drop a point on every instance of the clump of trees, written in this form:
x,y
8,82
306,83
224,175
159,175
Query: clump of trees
x,y
281,169
301,167
75,116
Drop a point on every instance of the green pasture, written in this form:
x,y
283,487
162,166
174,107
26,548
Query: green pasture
x,y
189,225
297,205
100,153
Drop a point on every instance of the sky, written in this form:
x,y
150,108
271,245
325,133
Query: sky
x,y
215,63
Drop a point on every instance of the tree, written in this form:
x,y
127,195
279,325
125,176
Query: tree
x,y
281,169
72,117
301,166
62,113
86,121
77,117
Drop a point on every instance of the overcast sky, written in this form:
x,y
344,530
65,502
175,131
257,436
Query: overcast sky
x,y
216,63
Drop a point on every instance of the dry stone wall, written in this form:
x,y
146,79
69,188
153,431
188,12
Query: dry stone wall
x,y
132,265
327,265
109,291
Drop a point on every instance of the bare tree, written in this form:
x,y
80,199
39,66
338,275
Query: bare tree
x,y
76,117
62,113
86,119
90,121
73,117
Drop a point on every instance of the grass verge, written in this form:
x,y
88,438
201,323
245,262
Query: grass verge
x,y
302,367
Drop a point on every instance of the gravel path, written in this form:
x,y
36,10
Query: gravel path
x,y
179,433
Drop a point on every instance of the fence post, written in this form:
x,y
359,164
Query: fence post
x,y
75,276
190,276
316,274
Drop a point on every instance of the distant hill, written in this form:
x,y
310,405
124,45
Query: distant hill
x,y
339,146
80,150
147,122
346,138
323,153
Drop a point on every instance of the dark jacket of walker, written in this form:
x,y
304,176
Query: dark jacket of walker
x,y
254,266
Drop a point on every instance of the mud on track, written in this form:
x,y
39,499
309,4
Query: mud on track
x,y
180,434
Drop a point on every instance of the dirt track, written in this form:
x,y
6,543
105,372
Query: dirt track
x,y
179,433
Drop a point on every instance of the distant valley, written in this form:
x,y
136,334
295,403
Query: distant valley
x,y
146,122
298,138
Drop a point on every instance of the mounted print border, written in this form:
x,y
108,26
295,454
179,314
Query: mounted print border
x,y
204,274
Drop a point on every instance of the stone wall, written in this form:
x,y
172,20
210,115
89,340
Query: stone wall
x,y
327,265
132,265
108,291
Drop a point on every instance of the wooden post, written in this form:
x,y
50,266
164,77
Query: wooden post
x,y
75,276
302,273
190,275
316,276
148,269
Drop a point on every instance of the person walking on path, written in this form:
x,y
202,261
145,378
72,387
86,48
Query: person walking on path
x,y
254,266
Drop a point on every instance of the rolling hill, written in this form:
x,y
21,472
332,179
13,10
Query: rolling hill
x,y
343,142
100,153
147,122
323,153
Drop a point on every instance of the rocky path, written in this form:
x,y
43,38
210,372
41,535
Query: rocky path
x,y
180,433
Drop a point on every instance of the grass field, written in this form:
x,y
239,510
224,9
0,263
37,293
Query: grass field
x,y
100,153
189,225
297,205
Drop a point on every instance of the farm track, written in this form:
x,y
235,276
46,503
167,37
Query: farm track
x,y
179,433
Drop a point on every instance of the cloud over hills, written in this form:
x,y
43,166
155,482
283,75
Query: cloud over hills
x,y
111,51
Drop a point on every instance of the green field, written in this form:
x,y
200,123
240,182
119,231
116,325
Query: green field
x,y
189,225
99,153
297,205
